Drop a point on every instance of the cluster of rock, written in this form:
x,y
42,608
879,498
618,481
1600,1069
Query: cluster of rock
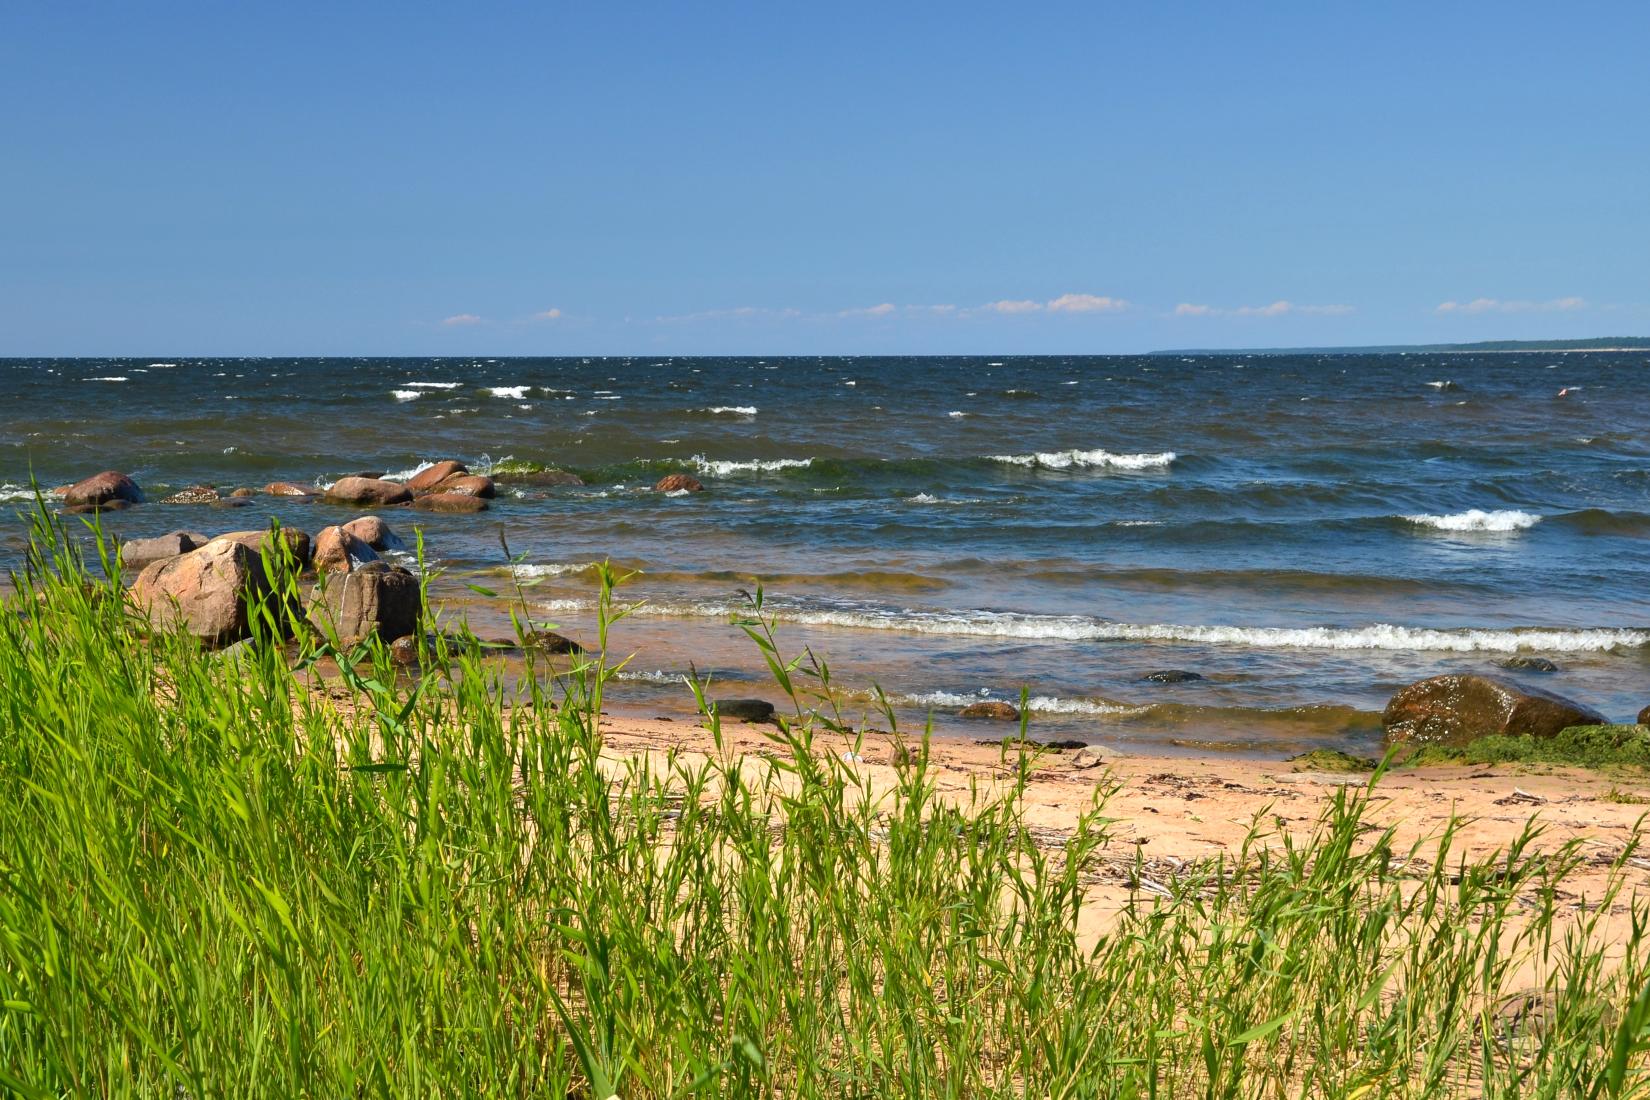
x,y
445,486
209,587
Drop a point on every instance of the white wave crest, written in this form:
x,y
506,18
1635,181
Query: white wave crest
x,y
108,378
434,385
1065,460
1078,628
161,366
408,475
10,492
732,410
553,569
514,393
407,395
718,468
1475,519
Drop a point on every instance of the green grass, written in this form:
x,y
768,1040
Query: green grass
x,y
216,882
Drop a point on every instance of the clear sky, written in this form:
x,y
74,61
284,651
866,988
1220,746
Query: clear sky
x,y
769,178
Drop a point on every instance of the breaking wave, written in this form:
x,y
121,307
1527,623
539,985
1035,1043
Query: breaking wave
x,y
1065,460
1475,519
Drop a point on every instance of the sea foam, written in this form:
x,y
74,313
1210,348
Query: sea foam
x,y
1475,519
722,468
1065,460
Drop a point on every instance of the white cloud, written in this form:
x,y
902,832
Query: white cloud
x,y
1085,303
1013,305
1280,308
1498,305
461,319
882,310
550,314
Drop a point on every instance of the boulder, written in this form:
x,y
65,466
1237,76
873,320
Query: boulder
x,y
290,489
193,494
678,483
992,709
297,542
243,491
404,651
1644,717
116,505
450,502
1525,663
205,592
426,480
102,490
374,532
548,641
375,598
139,553
1452,710
232,502
338,550
371,491
473,485
1172,676
745,710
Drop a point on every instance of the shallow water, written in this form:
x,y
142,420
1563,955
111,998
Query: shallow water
x,y
1305,532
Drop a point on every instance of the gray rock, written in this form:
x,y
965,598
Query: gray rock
x,y
1525,663
746,710
375,598
139,553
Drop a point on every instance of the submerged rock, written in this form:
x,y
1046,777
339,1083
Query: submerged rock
x,y
746,710
993,709
376,598
290,489
678,483
1452,710
374,532
368,491
205,592
450,502
1172,676
548,641
1525,663
103,491
540,478
426,480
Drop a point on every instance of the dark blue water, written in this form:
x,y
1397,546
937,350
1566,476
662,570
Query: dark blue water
x,y
1305,532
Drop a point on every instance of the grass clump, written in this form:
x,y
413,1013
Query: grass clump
x,y
216,880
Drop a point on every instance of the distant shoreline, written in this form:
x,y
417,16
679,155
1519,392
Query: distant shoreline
x,y
1482,347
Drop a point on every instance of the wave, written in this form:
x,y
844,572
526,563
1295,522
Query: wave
x,y
731,410
407,395
1064,460
1603,521
554,569
722,468
433,385
1475,519
1079,628
929,498
108,378
10,492
514,393
405,475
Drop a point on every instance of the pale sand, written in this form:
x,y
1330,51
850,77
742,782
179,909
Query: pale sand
x,y
1171,812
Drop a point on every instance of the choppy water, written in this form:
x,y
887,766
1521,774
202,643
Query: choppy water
x,y
1308,533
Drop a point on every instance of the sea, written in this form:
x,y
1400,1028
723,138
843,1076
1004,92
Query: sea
x,y
1302,534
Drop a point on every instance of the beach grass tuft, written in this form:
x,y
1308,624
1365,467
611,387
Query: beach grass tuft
x,y
299,872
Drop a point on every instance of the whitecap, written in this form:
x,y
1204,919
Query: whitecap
x,y
719,468
514,393
1475,519
108,378
434,385
1063,460
552,569
1078,628
732,410
407,395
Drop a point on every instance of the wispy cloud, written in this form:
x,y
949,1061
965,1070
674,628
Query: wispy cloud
x,y
1012,305
461,319
1280,308
1499,305
1086,303
882,310
551,314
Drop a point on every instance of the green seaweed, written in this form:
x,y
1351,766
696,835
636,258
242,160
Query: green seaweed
x,y
1330,760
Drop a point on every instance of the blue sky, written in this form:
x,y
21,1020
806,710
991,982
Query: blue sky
x,y
628,178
